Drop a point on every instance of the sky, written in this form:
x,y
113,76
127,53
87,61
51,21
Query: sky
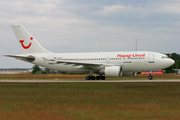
x,y
90,26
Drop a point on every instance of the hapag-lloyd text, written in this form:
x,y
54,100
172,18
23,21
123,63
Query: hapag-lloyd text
x,y
131,55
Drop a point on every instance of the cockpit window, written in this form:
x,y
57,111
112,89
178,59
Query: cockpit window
x,y
164,57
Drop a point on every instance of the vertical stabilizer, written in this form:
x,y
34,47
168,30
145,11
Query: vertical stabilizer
x,y
27,42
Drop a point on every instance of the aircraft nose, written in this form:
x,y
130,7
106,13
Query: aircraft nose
x,y
171,62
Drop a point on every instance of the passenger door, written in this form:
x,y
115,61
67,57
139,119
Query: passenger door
x,y
151,58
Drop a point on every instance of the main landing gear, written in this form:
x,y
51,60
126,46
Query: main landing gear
x,y
95,78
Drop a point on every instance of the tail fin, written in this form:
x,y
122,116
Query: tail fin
x,y
27,42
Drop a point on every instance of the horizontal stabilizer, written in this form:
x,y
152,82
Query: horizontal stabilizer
x,y
28,58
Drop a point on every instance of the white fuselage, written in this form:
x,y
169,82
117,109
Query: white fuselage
x,y
129,61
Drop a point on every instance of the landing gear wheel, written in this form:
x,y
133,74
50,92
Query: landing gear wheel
x,y
93,77
87,77
103,77
98,77
150,77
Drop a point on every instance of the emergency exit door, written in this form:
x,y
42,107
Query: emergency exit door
x,y
107,59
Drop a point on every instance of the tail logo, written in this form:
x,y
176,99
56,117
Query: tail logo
x,y
26,47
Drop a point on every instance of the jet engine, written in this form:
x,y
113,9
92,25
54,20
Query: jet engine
x,y
113,71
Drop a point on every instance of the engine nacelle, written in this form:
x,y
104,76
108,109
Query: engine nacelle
x,y
129,73
113,71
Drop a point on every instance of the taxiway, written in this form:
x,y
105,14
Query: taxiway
x,y
52,81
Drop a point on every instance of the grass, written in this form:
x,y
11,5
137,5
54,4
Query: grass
x,y
87,101
81,76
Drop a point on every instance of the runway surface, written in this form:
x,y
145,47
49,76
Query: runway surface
x,y
52,81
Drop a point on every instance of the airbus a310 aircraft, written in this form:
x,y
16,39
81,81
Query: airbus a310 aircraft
x,y
112,64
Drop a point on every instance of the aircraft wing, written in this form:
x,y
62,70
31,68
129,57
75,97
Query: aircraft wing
x,y
78,62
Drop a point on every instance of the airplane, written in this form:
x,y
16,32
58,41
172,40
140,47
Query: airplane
x,y
105,64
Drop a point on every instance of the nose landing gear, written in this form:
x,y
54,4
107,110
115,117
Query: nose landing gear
x,y
150,77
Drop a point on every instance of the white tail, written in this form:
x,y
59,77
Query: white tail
x,y
27,42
